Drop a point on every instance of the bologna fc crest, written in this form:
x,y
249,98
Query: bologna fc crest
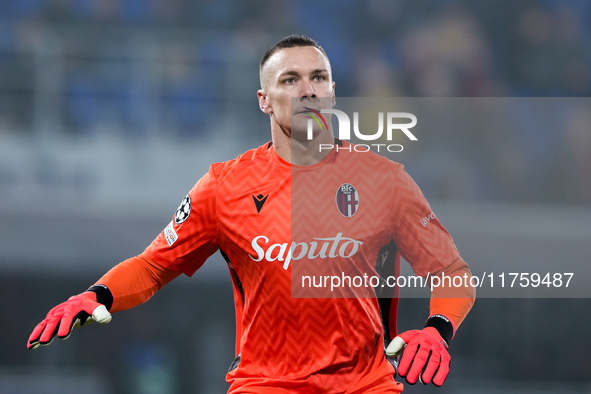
x,y
184,210
347,200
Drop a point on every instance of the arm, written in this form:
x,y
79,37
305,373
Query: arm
x,y
430,250
135,280
126,285
451,302
132,282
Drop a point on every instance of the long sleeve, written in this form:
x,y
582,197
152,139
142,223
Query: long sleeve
x,y
134,281
453,301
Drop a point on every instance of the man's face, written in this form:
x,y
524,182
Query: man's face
x,y
299,72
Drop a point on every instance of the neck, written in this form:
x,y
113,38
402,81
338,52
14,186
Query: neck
x,y
305,152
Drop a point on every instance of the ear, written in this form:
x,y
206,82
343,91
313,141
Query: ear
x,y
263,104
334,99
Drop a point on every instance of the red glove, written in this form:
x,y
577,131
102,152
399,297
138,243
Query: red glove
x,y
79,310
425,356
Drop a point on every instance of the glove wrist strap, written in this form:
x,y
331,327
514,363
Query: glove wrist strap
x,y
443,325
103,295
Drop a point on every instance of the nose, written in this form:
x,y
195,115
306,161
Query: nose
x,y
307,91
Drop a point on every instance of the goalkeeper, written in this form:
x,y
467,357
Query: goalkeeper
x,y
244,208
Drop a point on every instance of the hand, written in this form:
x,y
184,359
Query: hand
x,y
425,356
79,310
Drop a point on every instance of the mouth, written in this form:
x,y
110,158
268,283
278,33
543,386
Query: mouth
x,y
314,114
308,110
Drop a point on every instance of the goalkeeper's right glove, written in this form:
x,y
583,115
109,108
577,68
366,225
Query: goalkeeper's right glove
x,y
79,310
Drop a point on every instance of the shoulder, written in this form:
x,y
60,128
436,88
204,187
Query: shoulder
x,y
249,160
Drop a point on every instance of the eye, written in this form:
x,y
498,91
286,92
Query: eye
x,y
289,81
319,78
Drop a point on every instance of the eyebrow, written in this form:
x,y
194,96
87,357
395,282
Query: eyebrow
x,y
291,72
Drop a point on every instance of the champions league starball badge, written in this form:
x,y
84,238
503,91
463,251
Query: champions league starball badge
x,y
184,210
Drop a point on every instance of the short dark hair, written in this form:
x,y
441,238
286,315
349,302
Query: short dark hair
x,y
292,41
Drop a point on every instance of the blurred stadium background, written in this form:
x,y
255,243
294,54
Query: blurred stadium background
x,y
110,110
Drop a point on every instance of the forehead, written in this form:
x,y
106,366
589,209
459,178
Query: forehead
x,y
298,59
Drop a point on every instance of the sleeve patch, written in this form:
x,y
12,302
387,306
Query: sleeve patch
x,y
183,211
427,218
170,235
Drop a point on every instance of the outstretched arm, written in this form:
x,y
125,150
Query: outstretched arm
x,y
133,282
126,285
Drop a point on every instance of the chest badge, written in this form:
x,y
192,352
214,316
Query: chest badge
x,y
347,199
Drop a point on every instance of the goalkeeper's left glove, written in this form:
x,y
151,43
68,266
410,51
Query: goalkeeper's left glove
x,y
425,355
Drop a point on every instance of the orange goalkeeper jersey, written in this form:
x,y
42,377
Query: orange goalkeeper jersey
x,y
286,233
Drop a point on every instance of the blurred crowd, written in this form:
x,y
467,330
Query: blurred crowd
x,y
187,70
176,67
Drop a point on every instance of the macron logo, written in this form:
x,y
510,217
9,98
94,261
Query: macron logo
x,y
259,201
426,219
